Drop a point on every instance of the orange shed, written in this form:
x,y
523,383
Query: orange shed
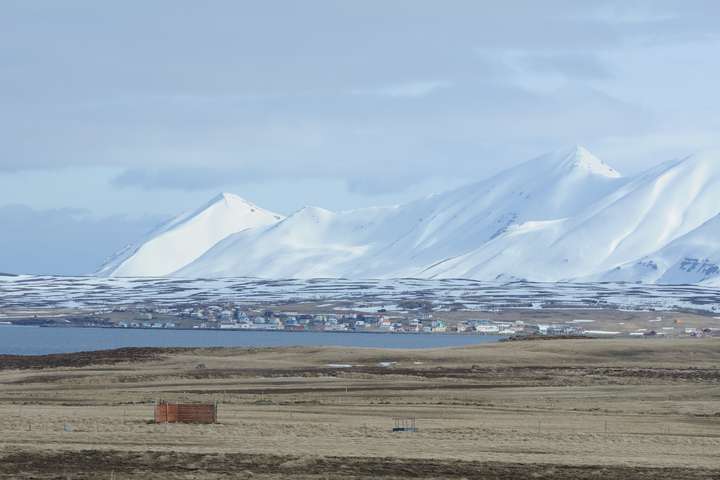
x,y
167,412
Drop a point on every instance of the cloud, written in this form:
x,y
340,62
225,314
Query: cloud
x,y
337,92
174,178
586,65
405,90
63,241
112,90
469,130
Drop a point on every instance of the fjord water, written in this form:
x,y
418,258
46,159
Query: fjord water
x,y
15,340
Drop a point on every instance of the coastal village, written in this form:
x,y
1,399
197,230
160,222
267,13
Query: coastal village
x,y
421,318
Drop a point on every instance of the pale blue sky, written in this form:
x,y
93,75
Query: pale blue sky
x,y
141,109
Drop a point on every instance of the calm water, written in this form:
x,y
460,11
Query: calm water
x,y
37,341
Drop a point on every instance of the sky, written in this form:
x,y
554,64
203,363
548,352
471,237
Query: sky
x,y
115,116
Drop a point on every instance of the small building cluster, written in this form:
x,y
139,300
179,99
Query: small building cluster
x,y
417,317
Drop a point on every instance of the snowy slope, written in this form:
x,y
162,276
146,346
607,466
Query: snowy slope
x,y
639,218
405,240
562,216
692,258
187,237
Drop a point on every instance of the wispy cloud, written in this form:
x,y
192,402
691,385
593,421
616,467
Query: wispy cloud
x,y
405,90
175,178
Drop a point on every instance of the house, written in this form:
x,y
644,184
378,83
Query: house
x,y
438,326
531,329
542,328
335,327
487,329
370,319
274,324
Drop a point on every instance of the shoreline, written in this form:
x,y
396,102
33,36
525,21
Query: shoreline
x,y
241,330
65,340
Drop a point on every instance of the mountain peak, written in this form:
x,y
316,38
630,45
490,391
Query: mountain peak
x,y
227,198
580,158
188,236
227,201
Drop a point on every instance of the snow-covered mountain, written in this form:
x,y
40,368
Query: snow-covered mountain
x,y
185,238
562,216
637,219
692,258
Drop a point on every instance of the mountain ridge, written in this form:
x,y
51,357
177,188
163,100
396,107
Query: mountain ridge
x,y
566,215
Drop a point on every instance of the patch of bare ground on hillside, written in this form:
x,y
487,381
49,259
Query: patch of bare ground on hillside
x,y
93,464
84,359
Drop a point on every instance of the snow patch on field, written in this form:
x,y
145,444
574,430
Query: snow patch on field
x,y
44,292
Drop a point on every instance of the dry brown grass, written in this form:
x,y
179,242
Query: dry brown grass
x,y
635,404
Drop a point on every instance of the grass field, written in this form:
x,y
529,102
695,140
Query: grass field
x,y
613,409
